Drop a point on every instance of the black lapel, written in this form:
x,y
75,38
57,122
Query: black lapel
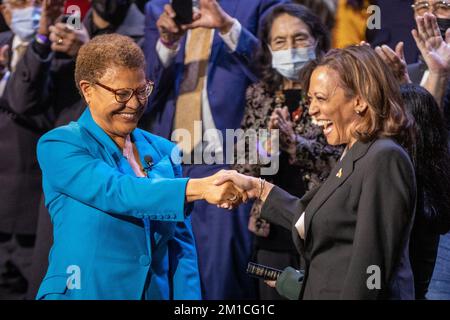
x,y
337,177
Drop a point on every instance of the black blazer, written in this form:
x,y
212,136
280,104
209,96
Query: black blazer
x,y
360,216
20,175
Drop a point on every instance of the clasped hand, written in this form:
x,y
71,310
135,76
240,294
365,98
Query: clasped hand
x,y
242,186
227,189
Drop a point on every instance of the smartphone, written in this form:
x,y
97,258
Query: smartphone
x,y
262,272
184,10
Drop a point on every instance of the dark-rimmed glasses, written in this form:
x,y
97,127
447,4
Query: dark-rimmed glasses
x,y
439,7
124,95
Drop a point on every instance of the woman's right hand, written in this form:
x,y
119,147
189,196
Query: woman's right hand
x,y
248,184
225,195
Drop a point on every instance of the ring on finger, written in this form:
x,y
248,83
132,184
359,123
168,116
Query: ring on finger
x,y
60,41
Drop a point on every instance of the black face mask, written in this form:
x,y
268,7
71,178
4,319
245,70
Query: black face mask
x,y
112,11
443,24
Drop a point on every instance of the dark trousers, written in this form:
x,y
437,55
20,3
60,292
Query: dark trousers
x,y
15,263
44,242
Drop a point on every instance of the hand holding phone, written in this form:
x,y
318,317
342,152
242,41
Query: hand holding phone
x,y
184,11
263,272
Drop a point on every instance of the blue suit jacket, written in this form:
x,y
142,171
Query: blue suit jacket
x,y
229,74
116,236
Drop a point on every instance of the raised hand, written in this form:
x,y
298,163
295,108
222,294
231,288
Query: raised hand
x,y
51,11
281,119
66,39
211,15
395,60
169,31
434,49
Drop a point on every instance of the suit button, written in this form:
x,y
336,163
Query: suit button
x,y
144,260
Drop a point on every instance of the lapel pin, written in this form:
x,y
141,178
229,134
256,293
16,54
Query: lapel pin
x,y
339,174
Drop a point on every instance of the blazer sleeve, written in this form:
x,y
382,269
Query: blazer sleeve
x,y
69,168
384,218
31,76
284,209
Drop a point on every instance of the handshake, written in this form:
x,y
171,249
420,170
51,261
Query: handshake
x,y
227,189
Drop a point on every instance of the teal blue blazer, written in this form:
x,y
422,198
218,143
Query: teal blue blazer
x,y
116,236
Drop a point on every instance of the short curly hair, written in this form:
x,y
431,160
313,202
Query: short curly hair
x,y
104,52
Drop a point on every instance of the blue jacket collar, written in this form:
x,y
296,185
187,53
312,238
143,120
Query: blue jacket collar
x,y
87,122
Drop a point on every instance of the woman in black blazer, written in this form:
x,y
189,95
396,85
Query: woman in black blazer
x,y
354,229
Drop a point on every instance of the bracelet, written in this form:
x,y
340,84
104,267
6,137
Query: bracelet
x,y
168,44
40,38
262,183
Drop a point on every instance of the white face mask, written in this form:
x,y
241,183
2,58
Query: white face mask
x,y
290,62
25,22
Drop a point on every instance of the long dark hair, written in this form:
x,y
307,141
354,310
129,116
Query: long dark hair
x,y
430,152
270,77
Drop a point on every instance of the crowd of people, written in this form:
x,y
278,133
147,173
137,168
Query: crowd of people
x,y
119,179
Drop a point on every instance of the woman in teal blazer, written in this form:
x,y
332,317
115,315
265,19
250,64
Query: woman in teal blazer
x,y
115,194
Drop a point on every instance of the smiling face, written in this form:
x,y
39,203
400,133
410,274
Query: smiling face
x,y
116,119
330,108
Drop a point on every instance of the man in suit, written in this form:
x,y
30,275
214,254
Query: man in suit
x,y
20,176
201,71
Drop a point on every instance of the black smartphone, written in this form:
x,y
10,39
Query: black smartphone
x,y
184,11
262,272
293,98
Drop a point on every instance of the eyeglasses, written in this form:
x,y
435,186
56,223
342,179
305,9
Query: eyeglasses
x,y
439,7
124,95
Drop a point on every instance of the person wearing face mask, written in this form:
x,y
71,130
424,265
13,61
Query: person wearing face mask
x,y
291,36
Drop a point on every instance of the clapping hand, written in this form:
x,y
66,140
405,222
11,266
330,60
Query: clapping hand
x,y
434,49
281,119
51,10
395,60
212,16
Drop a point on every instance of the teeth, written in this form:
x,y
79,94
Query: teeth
x,y
127,115
322,123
